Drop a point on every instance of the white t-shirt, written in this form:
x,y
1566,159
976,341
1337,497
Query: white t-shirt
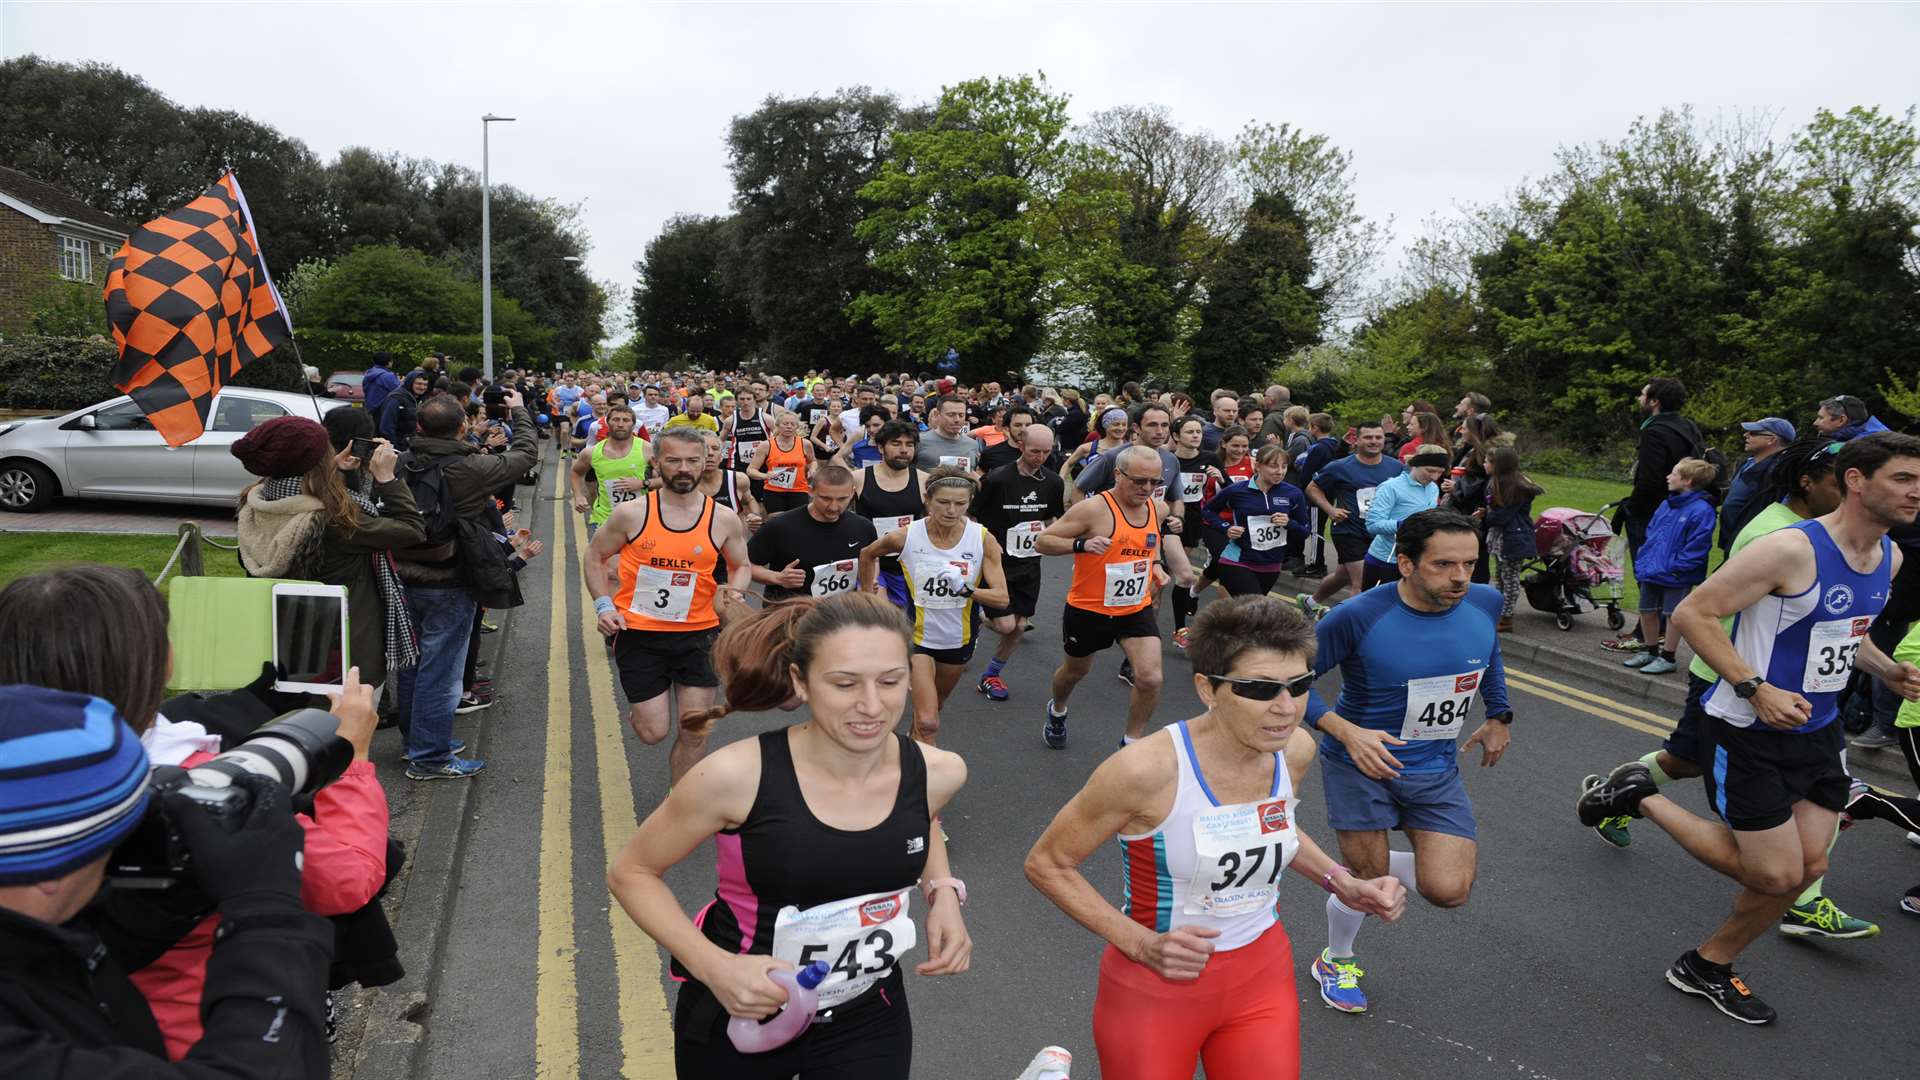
x,y
651,417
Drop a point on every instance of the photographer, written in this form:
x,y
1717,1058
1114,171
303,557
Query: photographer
x,y
67,1008
114,646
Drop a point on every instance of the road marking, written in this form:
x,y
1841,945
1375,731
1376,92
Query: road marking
x,y
1595,698
1530,683
556,1046
646,1027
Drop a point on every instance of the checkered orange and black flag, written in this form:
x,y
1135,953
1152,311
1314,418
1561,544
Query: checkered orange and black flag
x,y
190,303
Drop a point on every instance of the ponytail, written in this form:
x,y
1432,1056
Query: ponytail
x,y
754,653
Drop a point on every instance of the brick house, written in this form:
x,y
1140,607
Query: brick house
x,y
47,233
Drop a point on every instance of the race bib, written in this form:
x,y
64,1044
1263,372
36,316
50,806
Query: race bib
x,y
834,578
782,477
942,583
1264,533
894,524
618,497
1239,853
965,461
666,595
1127,583
1437,707
744,450
1192,484
1023,538
860,940
1831,647
1363,498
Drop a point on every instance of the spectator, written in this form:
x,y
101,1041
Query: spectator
x,y
1276,403
1665,437
1426,429
1466,490
1845,417
1226,414
1396,500
1295,422
1508,521
1765,438
378,382
1673,557
1473,404
302,521
1395,438
399,415
446,572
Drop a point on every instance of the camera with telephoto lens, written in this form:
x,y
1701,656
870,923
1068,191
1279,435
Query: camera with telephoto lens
x,y
301,751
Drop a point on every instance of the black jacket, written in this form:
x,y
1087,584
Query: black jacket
x,y
1665,439
69,1012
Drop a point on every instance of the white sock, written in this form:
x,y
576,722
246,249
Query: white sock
x,y
1051,711
1400,865
1343,925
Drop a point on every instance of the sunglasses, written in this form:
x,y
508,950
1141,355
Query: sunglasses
x,y
1266,689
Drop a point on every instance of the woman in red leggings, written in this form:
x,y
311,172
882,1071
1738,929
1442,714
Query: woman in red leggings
x,y
1197,964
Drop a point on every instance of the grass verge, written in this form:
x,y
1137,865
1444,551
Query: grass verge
x,y
29,553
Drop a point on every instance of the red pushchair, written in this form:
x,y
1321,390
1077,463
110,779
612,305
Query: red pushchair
x,y
1578,568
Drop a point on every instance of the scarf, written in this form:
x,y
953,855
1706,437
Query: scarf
x,y
403,640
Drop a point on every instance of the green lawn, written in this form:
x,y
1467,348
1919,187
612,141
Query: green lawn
x,y
27,553
1584,494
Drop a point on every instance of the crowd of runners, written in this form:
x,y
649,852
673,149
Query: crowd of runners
x,y
888,524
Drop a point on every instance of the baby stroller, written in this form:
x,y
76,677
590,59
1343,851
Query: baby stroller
x,y
1578,568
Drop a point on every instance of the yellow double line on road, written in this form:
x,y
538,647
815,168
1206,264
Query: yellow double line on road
x,y
646,1036
1590,703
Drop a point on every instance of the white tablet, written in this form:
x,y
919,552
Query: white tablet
x,y
309,638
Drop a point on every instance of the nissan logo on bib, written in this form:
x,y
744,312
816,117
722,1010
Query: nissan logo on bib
x,y
875,912
1273,816
1464,683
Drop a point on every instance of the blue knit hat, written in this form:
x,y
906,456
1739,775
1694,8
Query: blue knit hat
x,y
73,782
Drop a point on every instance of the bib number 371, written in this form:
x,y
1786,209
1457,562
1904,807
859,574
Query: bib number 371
x,y
1437,707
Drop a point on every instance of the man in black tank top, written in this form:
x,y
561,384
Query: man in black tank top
x,y
743,435
890,490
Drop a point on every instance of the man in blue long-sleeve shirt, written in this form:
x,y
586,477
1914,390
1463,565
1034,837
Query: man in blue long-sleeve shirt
x,y
1412,657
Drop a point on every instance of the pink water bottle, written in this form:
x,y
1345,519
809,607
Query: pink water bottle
x,y
776,1031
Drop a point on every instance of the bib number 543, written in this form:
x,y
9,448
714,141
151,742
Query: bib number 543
x,y
877,948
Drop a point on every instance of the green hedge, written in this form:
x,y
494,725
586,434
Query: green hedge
x,y
55,373
352,350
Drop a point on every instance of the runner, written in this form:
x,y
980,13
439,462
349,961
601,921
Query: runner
x,y
619,465
729,489
663,614
892,493
781,465
859,453
1343,491
1416,489
1206,815
951,565
747,431
814,550
946,441
821,834
1200,477
1115,543
1017,502
1802,599
1412,658
1235,464
1267,521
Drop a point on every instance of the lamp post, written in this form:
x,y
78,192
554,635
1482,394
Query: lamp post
x,y
486,249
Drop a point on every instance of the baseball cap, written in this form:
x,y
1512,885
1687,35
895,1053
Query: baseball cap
x,y
1772,425
73,786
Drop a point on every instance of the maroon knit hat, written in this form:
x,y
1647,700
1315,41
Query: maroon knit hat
x,y
283,446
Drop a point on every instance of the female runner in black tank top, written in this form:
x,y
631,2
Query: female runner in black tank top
x,y
823,846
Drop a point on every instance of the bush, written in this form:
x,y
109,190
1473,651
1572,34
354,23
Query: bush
x,y
352,350
55,373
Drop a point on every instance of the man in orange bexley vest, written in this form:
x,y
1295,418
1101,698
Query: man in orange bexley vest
x,y
1114,539
663,616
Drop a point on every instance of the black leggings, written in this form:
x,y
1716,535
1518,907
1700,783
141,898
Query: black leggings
x,y
778,501
1243,581
872,1040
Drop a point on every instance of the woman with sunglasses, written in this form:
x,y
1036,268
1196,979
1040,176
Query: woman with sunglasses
x,y
1198,966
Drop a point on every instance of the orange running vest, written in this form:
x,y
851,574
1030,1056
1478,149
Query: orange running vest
x,y
666,576
796,457
1095,576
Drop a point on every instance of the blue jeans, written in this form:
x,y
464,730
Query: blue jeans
x,y
429,692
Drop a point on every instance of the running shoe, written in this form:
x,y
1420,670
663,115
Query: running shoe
x,y
1638,660
333,1019
1180,638
1659,665
1049,1064
1914,838
454,768
1126,672
1910,903
1308,606
991,686
1724,989
1054,732
1617,794
1823,919
1872,739
1614,829
1340,983
488,628
1624,645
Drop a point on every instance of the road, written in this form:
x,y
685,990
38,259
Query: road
x,y
1553,971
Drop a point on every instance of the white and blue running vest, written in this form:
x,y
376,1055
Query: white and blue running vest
x,y
1807,643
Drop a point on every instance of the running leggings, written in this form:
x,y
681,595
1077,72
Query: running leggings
x,y
1246,581
1241,1018
871,1040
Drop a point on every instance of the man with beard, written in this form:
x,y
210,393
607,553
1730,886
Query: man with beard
x,y
619,465
663,616
891,494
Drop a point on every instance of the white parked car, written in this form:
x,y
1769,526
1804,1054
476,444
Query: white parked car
x,y
111,451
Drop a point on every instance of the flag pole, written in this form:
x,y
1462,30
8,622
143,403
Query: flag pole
x,y
260,256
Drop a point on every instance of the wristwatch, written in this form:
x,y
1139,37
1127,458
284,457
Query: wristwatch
x,y
1745,690
1503,717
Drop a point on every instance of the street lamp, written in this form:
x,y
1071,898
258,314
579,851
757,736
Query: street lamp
x,y
486,249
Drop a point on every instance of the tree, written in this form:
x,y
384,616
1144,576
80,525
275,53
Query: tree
x,y
388,288
1260,306
953,221
1317,178
683,308
798,165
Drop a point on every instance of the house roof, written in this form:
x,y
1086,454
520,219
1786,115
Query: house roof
x,y
45,197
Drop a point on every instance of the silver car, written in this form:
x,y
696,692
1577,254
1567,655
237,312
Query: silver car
x,y
111,451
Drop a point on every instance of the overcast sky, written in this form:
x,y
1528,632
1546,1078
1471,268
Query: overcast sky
x,y
625,108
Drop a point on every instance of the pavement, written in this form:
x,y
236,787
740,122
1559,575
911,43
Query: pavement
x,y
519,965
118,516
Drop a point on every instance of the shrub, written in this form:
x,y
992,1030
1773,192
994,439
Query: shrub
x,y
38,371
352,350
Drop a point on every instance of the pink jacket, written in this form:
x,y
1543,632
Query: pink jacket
x,y
346,863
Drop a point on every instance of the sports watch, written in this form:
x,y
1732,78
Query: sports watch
x,y
1746,690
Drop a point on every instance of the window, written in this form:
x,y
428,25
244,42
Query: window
x,y
125,416
76,259
235,413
